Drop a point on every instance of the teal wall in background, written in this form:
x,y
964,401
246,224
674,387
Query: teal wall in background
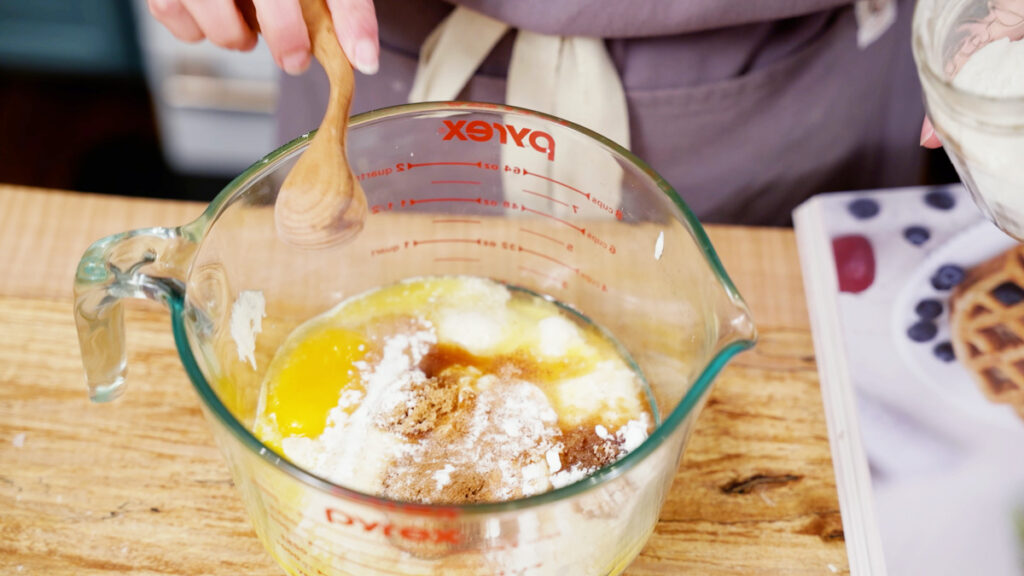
x,y
68,36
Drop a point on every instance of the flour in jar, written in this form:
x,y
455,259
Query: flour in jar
x,y
987,140
995,70
452,389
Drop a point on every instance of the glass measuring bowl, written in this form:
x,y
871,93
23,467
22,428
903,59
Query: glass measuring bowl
x,y
454,189
983,136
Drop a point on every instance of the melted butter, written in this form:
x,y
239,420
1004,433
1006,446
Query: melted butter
x,y
308,381
416,298
583,376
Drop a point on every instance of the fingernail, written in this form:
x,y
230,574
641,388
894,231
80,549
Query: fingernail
x,y
366,57
927,131
295,63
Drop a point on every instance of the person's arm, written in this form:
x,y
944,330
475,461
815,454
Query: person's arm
x,y
224,23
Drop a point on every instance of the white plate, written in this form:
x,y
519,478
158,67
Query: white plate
x,y
949,380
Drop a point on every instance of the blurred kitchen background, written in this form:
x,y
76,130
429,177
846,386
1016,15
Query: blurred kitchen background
x,y
96,96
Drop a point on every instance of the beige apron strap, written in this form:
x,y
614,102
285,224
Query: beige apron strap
x,y
566,76
571,77
451,54
532,79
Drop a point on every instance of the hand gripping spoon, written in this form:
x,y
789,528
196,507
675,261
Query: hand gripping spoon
x,y
321,203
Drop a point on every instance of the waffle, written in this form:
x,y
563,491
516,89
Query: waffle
x,y
987,323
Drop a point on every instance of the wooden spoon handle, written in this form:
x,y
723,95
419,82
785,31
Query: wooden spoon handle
x,y
337,66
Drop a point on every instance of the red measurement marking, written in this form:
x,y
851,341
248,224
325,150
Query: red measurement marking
x,y
455,182
547,277
592,281
576,190
455,221
545,196
374,174
429,200
456,259
555,218
422,164
447,240
544,236
599,242
386,250
548,258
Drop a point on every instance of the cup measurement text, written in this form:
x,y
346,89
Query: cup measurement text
x,y
515,170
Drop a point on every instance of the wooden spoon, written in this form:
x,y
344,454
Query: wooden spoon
x,y
321,203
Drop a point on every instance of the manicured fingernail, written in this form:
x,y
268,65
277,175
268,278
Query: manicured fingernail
x,y
927,131
366,57
295,63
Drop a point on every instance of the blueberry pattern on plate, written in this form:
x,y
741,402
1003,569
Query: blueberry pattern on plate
x,y
928,309
940,200
922,331
864,208
948,276
921,310
944,351
916,235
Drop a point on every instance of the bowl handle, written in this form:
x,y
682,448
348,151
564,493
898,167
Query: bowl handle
x,y
150,263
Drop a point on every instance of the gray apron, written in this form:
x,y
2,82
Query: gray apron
x,y
746,108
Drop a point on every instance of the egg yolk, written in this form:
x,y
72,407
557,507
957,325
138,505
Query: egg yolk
x,y
311,379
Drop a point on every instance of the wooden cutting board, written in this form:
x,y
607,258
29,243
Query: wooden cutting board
x,y
137,486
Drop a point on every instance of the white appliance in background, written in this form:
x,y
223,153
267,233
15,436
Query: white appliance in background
x,y
214,107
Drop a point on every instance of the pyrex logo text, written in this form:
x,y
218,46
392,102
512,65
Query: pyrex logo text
x,y
411,533
480,131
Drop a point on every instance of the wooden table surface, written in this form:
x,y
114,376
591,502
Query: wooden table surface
x,y
137,486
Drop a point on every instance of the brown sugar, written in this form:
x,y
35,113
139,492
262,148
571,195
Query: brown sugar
x,y
410,481
469,430
480,446
429,402
583,448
